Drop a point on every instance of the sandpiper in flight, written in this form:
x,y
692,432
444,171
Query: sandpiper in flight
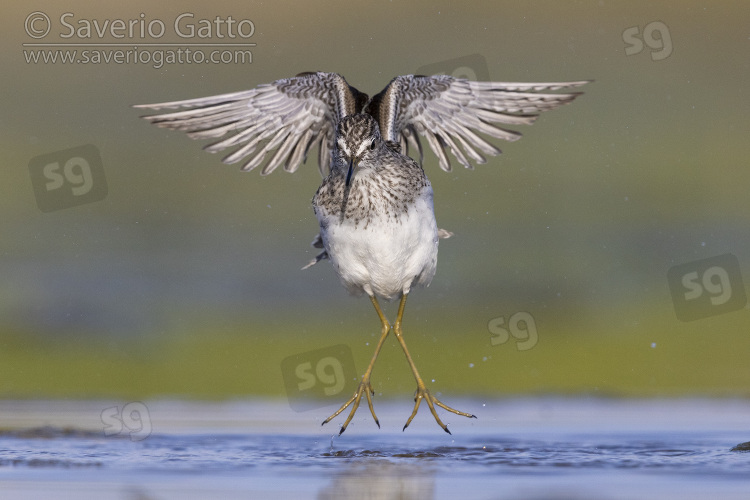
x,y
374,206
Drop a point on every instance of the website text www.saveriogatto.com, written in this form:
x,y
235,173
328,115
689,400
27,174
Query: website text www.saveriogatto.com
x,y
72,40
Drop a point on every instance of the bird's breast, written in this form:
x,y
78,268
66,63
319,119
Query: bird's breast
x,y
371,196
381,239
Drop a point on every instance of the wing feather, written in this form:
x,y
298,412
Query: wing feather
x,y
288,116
450,111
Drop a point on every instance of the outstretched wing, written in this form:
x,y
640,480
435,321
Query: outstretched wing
x,y
450,111
290,116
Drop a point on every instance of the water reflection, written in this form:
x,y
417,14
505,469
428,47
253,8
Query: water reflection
x,y
381,480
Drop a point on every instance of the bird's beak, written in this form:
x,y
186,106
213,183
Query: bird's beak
x,y
349,173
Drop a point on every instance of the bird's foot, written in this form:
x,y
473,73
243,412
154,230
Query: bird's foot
x,y
423,393
363,388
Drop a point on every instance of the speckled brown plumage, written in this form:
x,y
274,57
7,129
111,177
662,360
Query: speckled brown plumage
x,y
392,185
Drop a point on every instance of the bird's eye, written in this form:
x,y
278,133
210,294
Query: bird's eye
x,y
372,146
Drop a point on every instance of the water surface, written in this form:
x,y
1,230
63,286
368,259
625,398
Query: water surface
x,y
519,448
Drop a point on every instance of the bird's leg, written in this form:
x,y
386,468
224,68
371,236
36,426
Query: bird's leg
x,y
365,386
422,392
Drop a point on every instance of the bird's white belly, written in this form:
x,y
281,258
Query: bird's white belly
x,y
384,257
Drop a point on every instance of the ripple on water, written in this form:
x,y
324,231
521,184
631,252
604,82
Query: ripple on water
x,y
639,462
70,447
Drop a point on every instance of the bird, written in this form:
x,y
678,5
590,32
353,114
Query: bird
x,y
375,203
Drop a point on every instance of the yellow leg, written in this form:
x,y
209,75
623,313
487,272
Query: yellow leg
x,y
422,392
364,385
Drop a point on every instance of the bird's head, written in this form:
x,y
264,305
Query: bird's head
x,y
357,143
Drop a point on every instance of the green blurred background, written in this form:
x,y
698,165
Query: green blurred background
x,y
185,280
